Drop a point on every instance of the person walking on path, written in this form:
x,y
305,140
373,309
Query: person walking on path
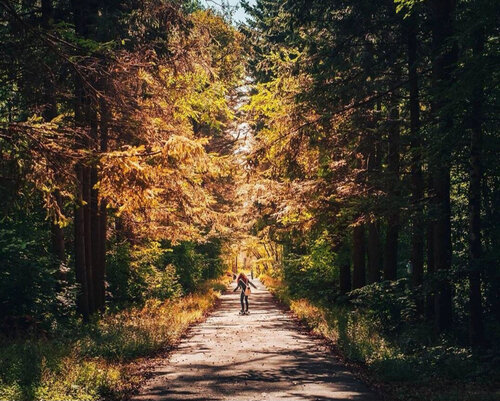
x,y
244,284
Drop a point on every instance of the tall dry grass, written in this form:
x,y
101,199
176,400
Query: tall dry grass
x,y
104,359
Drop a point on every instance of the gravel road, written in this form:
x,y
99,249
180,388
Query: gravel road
x,y
261,356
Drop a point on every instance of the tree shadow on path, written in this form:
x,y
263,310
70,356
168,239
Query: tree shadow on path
x,y
262,356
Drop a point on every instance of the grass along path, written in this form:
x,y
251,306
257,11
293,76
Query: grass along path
x,y
102,360
434,373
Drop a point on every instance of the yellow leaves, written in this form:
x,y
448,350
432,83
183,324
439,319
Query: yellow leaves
x,y
157,115
221,46
35,119
145,76
274,103
291,216
162,187
282,60
58,119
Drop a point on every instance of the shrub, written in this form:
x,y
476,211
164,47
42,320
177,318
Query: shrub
x,y
30,293
391,303
96,361
366,330
313,274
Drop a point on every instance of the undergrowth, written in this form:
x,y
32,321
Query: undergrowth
x,y
99,360
436,371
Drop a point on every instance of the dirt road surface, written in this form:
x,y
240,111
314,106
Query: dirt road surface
x,y
261,356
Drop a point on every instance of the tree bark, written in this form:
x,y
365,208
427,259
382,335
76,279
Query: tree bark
x,y
374,248
345,278
476,332
343,260
100,263
374,253
429,310
358,257
417,181
84,14
58,247
87,216
392,234
443,61
79,221
80,264
95,233
490,238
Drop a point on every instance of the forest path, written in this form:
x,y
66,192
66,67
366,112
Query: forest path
x,y
261,356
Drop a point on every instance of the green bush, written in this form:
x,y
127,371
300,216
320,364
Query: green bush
x,y
195,263
391,303
313,274
138,273
30,293
399,351
158,270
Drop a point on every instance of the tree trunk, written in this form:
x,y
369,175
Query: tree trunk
x,y
443,60
391,247
96,227
416,160
84,14
358,257
392,234
374,248
374,253
345,278
476,331
87,216
429,311
79,222
343,260
100,262
80,264
417,181
58,247
442,248
490,194
95,233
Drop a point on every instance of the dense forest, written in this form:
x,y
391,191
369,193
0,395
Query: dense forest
x,y
376,172
116,175
113,148
348,148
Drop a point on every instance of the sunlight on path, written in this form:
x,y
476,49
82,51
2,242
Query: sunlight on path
x,y
262,356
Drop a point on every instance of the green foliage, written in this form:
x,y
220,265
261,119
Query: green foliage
x,y
409,362
391,303
195,263
314,272
119,274
167,284
330,78
157,270
30,294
